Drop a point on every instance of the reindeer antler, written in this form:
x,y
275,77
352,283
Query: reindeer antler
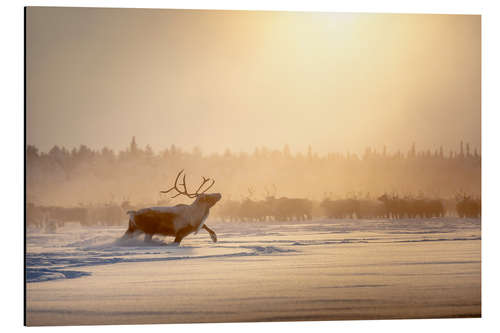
x,y
205,180
175,186
185,191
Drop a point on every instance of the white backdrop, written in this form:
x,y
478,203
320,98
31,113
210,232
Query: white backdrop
x,y
12,160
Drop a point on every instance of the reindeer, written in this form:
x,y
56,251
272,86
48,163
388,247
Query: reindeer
x,y
179,220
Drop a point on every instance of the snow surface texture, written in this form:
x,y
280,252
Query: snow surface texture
x,y
58,255
347,258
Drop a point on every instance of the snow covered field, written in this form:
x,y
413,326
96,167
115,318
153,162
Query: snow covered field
x,y
259,271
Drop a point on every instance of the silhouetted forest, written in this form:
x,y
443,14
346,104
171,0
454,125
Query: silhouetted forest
x,y
83,176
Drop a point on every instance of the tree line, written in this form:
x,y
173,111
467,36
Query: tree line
x,y
84,176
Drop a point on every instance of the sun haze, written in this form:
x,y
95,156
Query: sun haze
x,y
238,79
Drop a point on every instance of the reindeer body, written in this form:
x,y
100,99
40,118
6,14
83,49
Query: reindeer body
x,y
179,220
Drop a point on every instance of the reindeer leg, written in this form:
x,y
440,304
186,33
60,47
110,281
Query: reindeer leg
x,y
211,232
127,235
148,238
183,233
130,231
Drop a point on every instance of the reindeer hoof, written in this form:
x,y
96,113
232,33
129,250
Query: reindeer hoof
x,y
214,237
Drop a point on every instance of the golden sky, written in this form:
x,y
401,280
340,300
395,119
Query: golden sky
x,y
237,80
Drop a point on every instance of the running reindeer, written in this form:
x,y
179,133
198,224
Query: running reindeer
x,y
179,220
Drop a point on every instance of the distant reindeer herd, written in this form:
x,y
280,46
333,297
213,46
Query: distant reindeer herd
x,y
50,217
272,208
279,209
385,206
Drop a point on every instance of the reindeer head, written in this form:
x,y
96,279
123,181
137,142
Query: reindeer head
x,y
201,197
209,199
